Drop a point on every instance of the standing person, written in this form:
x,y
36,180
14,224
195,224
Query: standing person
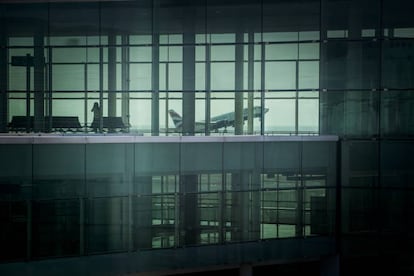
x,y
96,109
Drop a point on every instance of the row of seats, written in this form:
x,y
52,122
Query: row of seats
x,y
65,123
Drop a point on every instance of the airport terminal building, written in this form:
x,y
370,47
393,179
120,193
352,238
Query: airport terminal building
x,y
248,137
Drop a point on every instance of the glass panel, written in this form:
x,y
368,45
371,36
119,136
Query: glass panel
x,y
108,176
351,15
222,76
58,171
397,118
156,159
350,113
223,53
201,157
127,17
226,17
281,117
359,207
398,65
281,157
308,116
140,54
350,65
295,16
107,224
163,228
175,17
13,232
140,76
397,14
68,77
281,51
240,157
280,75
309,51
67,19
308,75
15,186
55,228
360,164
397,172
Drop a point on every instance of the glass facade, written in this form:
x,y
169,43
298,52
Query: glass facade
x,y
108,72
232,72
270,67
78,198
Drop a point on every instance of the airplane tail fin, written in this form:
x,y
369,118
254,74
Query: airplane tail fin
x,y
178,121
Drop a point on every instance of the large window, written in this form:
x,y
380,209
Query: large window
x,y
164,68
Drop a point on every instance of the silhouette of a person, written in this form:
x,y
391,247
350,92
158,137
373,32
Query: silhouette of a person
x,y
96,109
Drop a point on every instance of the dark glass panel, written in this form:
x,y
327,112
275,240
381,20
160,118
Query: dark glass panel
x,y
55,228
398,64
73,21
350,65
107,224
58,170
15,171
109,169
232,16
354,17
179,17
290,16
201,157
13,230
26,20
126,18
397,114
397,15
349,113
397,164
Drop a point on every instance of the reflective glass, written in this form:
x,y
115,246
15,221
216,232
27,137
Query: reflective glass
x,y
127,17
398,66
226,17
69,19
350,113
396,164
107,224
55,228
397,118
396,14
350,65
58,171
294,16
352,16
109,176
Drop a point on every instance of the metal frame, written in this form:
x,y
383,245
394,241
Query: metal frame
x,y
116,139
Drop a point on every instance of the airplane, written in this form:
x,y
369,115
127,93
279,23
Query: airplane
x,y
217,122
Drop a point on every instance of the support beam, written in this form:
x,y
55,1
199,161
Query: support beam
x,y
101,76
39,79
155,74
112,76
250,84
189,84
125,80
238,97
189,183
208,88
3,82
